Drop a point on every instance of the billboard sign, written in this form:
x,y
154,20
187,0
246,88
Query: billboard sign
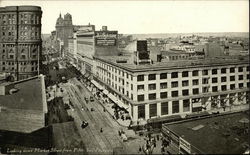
x,y
106,38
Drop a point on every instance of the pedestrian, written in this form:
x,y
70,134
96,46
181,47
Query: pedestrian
x,y
101,130
104,110
158,137
140,149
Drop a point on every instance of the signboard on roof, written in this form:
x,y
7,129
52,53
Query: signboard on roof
x,y
106,38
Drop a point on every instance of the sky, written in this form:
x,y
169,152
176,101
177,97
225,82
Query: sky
x,y
130,17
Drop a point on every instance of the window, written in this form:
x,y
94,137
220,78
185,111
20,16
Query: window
x,y
174,75
195,73
164,108
224,79
174,94
131,86
185,83
185,74
196,91
205,81
164,95
247,68
240,85
151,77
174,84
205,89
140,87
240,69
163,76
232,86
214,89
11,56
205,72
224,87
152,86
140,98
23,57
152,110
232,78
223,70
175,107
186,105
163,85
232,70
152,96
140,78
185,92
214,71
214,80
240,77
195,82
141,111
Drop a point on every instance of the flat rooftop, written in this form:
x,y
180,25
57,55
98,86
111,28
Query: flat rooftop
x,y
179,64
28,97
216,135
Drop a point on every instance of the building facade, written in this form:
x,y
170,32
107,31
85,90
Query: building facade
x,y
92,43
20,40
175,88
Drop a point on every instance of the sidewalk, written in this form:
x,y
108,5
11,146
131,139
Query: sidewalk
x,y
107,107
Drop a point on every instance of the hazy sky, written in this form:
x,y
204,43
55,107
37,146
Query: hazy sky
x,y
147,16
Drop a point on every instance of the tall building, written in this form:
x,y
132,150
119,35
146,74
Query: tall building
x,y
92,43
20,40
64,30
163,89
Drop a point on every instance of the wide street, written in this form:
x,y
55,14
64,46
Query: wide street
x,y
108,141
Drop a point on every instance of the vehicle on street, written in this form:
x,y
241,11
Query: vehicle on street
x,y
91,99
84,124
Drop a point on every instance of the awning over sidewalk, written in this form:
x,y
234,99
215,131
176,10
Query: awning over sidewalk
x,y
118,102
97,84
105,92
112,97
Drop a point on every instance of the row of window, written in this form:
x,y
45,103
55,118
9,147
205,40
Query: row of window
x,y
185,92
175,108
186,73
186,83
164,108
23,69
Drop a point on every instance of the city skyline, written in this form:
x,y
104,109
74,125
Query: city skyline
x,y
149,17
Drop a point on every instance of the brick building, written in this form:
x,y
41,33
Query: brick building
x,y
20,40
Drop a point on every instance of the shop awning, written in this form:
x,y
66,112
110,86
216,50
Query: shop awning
x,y
105,92
97,84
121,104
112,97
118,102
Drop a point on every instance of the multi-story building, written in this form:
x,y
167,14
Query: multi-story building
x,y
20,40
94,43
175,88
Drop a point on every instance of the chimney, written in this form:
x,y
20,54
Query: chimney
x,y
104,28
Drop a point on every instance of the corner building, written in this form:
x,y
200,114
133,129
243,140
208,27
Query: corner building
x,y
175,88
20,40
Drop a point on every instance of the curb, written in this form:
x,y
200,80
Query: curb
x,y
105,107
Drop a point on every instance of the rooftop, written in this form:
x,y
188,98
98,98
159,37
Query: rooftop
x,y
179,64
29,95
216,135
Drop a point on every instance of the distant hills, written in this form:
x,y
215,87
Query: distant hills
x,y
205,34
